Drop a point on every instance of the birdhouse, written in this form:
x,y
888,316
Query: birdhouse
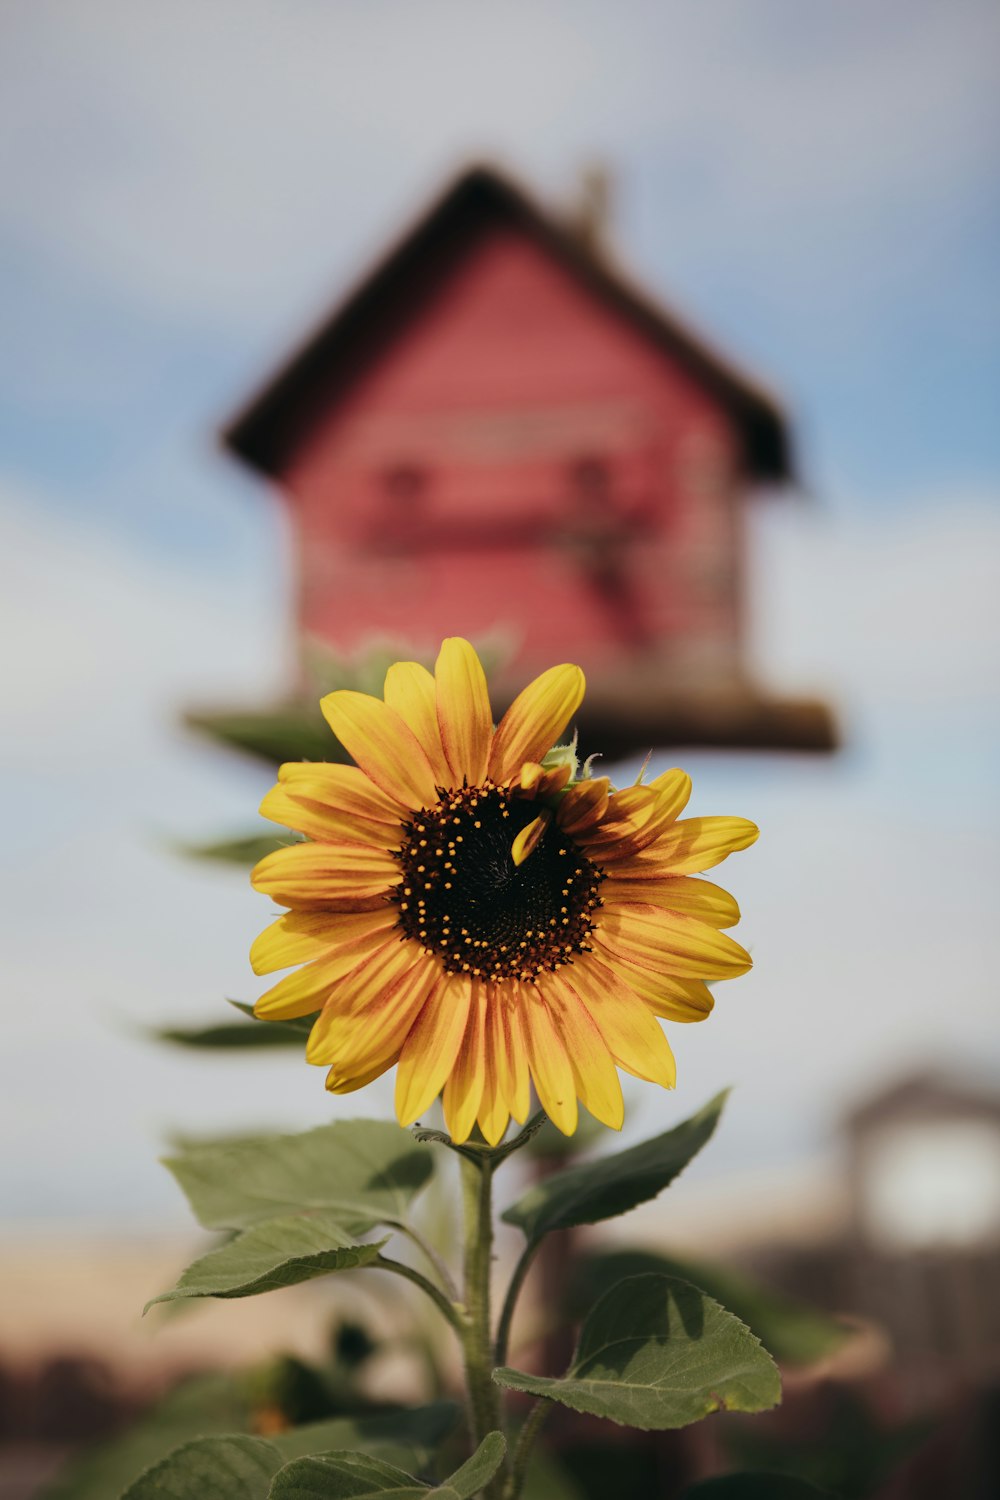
x,y
498,435
925,1166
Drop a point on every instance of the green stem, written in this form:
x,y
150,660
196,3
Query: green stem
x,y
398,1268
525,1443
484,1396
429,1253
510,1301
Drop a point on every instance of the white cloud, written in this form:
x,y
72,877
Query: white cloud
x,y
901,609
106,638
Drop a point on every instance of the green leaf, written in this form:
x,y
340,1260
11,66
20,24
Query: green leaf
x,y
275,1253
791,1331
753,1487
344,1476
365,1172
245,849
409,1435
290,731
228,1035
239,1034
657,1353
359,1476
612,1185
225,1468
476,1473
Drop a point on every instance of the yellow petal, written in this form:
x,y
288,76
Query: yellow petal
x,y
636,818
298,994
497,1045
673,788
550,1067
337,1083
312,987
372,1035
518,1072
508,1051
696,844
535,720
494,1115
684,1000
494,1111
301,936
697,898
286,805
594,1072
463,711
340,877
669,942
386,750
631,1033
537,781
584,805
531,777
431,1047
410,690
528,840
345,788
336,1030
464,1087
625,806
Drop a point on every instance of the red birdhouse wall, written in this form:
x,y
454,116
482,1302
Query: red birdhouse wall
x,y
521,459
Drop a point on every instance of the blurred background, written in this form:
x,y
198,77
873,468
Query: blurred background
x,y
654,336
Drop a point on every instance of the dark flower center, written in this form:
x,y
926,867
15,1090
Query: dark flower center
x,y
465,900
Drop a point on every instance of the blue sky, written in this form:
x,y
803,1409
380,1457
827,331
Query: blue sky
x,y
185,189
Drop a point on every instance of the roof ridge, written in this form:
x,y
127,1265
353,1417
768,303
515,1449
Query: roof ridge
x,y
267,429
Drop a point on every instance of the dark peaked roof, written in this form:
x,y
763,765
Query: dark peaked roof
x,y
267,432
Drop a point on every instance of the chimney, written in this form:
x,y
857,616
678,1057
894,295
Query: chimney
x,y
591,215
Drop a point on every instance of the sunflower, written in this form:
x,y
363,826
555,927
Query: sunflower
x,y
465,908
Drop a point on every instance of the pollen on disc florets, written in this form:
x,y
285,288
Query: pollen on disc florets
x,y
463,897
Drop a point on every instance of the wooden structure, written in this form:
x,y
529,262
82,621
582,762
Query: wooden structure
x,y
498,435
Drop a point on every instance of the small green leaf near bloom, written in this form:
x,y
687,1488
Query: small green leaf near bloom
x,y
358,1476
657,1353
613,1185
225,1468
273,1254
364,1172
